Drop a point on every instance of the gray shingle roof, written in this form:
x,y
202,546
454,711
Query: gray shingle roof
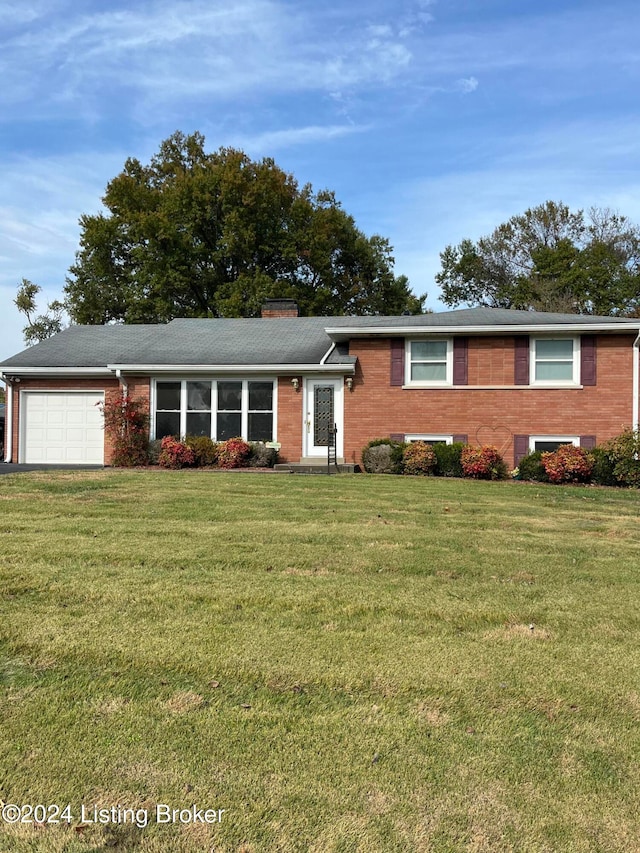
x,y
287,341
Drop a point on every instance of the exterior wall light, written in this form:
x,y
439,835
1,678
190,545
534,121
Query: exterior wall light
x,y
349,382
296,383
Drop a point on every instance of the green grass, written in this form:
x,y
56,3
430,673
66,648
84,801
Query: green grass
x,y
379,630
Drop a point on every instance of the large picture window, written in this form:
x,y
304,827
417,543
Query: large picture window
x,y
220,409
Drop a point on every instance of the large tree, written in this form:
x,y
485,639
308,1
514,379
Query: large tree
x,y
197,234
549,259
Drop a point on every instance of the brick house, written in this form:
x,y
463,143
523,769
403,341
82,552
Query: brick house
x,y
520,380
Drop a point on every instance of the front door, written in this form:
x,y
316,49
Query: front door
x,y
323,410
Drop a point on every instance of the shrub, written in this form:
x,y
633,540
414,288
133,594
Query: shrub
x,y
261,456
623,452
126,423
418,458
233,453
174,454
448,459
383,456
205,451
530,467
603,472
482,463
568,464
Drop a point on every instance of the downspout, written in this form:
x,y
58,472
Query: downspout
x,y
636,379
124,385
8,421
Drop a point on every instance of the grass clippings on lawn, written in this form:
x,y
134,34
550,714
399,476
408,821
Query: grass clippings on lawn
x,y
353,663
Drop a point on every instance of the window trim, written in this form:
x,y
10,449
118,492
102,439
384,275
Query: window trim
x,y
420,383
428,437
574,382
561,439
183,379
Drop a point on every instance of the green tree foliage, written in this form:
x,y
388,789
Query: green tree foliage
x,y
196,234
42,326
549,259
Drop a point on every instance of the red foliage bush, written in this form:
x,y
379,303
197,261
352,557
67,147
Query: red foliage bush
x,y
568,464
233,453
482,463
126,423
175,454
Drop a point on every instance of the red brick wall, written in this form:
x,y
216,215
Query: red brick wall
x,y
290,419
376,409
138,388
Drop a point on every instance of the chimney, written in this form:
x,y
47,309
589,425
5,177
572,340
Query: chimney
x,y
280,308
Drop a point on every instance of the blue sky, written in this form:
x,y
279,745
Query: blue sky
x,y
432,120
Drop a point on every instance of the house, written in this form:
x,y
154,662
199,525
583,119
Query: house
x,y
520,380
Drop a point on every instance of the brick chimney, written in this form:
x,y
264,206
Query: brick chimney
x,y
280,308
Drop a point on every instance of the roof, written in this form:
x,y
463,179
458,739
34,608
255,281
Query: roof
x,y
289,341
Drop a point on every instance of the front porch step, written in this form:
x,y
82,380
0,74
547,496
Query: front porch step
x,y
313,467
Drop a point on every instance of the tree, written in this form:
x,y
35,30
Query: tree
x,y
196,234
44,325
549,259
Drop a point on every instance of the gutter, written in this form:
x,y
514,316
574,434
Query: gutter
x,y
636,377
342,333
271,369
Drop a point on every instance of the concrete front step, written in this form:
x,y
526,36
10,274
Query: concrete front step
x,y
314,467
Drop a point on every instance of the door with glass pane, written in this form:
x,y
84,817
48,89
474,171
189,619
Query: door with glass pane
x,y
323,410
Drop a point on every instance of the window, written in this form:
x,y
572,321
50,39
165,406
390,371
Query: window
x,y
555,361
430,438
549,443
429,362
220,409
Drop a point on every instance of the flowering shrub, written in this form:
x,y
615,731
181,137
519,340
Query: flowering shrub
x,y
174,454
568,464
233,453
419,458
126,424
482,463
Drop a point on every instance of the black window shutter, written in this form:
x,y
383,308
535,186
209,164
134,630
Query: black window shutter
x,y
397,361
588,360
460,361
588,442
521,376
461,439
520,447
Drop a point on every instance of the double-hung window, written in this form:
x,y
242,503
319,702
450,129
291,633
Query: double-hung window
x,y
429,362
555,361
220,409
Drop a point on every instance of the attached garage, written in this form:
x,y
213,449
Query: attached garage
x,y
63,427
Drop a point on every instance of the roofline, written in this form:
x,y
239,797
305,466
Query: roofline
x,y
279,369
8,371
346,332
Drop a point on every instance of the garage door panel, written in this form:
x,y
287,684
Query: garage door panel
x,y
63,427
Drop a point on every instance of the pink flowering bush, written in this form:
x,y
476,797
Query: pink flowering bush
x,y
174,454
482,463
233,453
568,464
419,458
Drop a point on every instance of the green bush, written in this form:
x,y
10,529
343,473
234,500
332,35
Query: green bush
x,y
624,452
603,473
205,450
448,462
418,459
261,456
383,456
531,468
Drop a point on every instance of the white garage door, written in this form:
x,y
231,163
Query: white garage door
x,y
62,427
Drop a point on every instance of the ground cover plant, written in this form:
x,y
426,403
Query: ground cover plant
x,y
342,663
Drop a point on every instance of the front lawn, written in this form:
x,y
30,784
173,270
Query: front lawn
x,y
348,663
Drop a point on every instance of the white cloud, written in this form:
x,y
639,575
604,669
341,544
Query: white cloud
x,y
466,85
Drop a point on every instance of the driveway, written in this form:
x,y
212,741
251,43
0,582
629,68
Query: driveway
x,y
13,468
